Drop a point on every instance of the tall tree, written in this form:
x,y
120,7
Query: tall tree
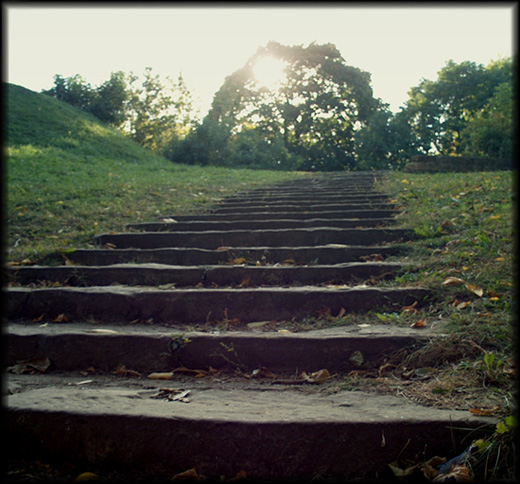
x,y
438,111
313,111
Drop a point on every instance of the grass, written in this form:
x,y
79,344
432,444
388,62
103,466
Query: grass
x,y
70,177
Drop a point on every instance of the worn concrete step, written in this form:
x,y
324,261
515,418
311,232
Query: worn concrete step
x,y
325,254
329,214
77,346
123,303
303,198
296,207
179,276
268,432
213,239
258,224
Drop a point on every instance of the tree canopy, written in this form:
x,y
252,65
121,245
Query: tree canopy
x,y
307,121
304,108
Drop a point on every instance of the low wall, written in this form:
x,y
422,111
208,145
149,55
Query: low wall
x,y
433,164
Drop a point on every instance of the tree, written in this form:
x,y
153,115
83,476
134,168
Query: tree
x,y
158,115
489,131
313,112
438,111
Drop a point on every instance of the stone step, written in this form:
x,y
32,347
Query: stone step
x,y
257,224
326,254
310,215
76,346
178,276
304,198
123,303
269,432
297,207
213,239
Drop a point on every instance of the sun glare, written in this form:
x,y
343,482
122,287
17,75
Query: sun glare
x,y
269,72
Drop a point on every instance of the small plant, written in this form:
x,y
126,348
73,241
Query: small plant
x,y
492,368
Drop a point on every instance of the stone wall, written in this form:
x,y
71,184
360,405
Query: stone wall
x,y
433,164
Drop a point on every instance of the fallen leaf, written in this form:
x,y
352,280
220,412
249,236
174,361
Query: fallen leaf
x,y
461,305
189,475
161,376
109,245
39,319
263,372
410,309
31,365
122,370
87,476
103,331
61,318
402,473
458,473
453,281
245,282
475,289
238,261
169,220
318,376
189,371
418,324
257,324
357,358
484,411
173,394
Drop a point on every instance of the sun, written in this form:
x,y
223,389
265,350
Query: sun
x,y
269,72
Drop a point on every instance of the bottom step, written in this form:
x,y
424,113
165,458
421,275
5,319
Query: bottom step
x,y
269,433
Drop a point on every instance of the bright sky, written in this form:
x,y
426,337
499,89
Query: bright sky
x,y
398,45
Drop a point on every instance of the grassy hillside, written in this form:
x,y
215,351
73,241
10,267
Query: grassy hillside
x,y
70,176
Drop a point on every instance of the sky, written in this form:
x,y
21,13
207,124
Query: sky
x,y
398,44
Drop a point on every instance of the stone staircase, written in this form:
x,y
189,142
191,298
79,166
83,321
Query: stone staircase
x,y
164,348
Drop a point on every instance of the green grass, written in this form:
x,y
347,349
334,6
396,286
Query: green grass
x,y
70,177
464,228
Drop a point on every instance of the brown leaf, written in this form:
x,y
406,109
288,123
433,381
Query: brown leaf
x,y
31,365
453,281
475,289
245,282
39,319
418,324
122,370
161,376
484,411
189,475
410,309
61,318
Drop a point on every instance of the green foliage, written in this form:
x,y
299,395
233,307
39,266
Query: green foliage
x,y
307,122
439,112
69,177
489,131
158,115
107,102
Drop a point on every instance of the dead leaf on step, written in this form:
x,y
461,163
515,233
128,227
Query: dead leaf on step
x,y
39,319
110,245
460,305
189,475
245,283
173,394
122,370
161,376
189,371
261,372
61,318
357,358
318,376
418,324
30,366
410,309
